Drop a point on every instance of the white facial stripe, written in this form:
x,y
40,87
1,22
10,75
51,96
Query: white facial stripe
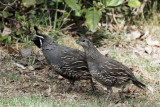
x,y
39,36
40,42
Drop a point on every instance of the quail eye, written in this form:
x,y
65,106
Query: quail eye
x,y
83,40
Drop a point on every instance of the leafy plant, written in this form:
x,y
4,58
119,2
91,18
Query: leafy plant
x,y
93,10
134,3
6,39
92,18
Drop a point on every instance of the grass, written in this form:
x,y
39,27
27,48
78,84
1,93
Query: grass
x,y
34,101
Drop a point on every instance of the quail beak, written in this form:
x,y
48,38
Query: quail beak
x,y
78,42
33,39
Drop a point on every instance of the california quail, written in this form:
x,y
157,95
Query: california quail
x,y
107,71
69,63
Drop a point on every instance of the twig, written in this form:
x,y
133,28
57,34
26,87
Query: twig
x,y
8,5
110,14
68,26
55,17
59,33
61,11
49,16
115,19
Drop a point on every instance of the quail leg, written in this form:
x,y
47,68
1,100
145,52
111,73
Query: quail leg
x,y
92,85
70,86
109,92
121,93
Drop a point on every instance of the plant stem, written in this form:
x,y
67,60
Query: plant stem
x,y
55,17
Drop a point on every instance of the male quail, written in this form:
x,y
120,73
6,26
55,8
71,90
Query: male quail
x,y
69,63
107,71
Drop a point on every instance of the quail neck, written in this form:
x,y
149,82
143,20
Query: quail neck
x,y
91,52
47,42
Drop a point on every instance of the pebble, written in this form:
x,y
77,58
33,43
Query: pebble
x,y
30,68
25,52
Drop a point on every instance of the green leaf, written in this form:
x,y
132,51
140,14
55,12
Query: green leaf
x,y
3,37
28,3
112,2
74,6
92,18
39,1
5,14
19,32
1,25
105,2
9,39
51,3
60,0
134,3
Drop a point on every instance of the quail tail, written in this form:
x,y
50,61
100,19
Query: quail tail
x,y
139,84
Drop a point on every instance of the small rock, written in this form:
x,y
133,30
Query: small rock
x,y
30,68
104,88
26,52
41,58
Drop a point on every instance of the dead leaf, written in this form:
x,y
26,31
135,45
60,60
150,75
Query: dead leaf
x,y
152,43
133,35
20,66
150,89
145,35
148,49
11,50
6,31
60,77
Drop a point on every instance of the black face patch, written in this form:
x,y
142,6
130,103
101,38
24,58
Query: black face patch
x,y
36,41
